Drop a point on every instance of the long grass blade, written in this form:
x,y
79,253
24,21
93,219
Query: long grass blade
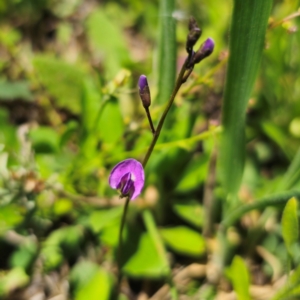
x,y
248,27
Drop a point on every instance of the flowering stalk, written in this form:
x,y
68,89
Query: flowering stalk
x,y
128,175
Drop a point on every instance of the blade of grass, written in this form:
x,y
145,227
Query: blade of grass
x,y
166,51
249,23
272,200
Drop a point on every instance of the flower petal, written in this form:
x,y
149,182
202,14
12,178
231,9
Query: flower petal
x,y
136,171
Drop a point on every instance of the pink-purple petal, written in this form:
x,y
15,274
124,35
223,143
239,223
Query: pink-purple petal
x,y
120,179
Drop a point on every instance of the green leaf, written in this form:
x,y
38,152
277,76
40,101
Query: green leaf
x,y
14,279
98,287
184,240
111,132
110,44
63,81
248,27
190,211
194,174
10,216
24,256
15,90
239,276
291,288
102,218
290,224
145,262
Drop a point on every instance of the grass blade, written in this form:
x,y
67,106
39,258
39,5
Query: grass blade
x,y
166,51
249,23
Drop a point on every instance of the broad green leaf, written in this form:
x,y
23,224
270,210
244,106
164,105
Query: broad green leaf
x,y
24,256
15,90
91,104
239,276
62,80
248,27
110,44
10,216
145,262
190,211
82,273
184,240
98,287
111,125
290,224
101,218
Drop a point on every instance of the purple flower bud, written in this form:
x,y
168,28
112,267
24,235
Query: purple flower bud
x,y
205,50
144,91
128,177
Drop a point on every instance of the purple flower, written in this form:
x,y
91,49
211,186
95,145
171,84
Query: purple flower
x,y
128,177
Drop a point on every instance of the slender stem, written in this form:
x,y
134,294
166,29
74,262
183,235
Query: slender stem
x,y
150,119
273,200
121,239
164,115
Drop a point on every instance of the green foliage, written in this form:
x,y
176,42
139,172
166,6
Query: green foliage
x,y
146,261
90,281
239,276
69,111
13,90
248,28
290,224
184,240
62,80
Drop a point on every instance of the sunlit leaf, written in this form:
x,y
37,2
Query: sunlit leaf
x,y
290,224
63,81
145,262
184,240
239,276
190,211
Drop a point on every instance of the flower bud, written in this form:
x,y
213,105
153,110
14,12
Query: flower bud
x,y
205,50
144,91
193,36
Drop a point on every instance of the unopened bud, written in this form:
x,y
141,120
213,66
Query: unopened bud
x,y
193,36
144,91
205,50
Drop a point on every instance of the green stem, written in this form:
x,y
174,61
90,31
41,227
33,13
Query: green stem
x,y
273,200
164,115
150,119
121,239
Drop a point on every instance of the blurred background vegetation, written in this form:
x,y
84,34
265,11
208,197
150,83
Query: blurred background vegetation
x,y
69,111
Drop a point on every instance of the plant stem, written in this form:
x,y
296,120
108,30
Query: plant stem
x,y
164,115
121,239
150,119
273,200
